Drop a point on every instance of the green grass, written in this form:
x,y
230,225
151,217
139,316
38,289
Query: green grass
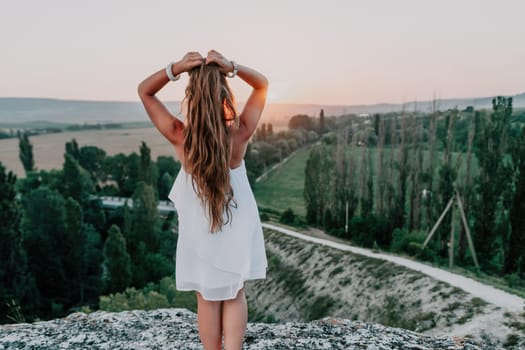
x,y
283,187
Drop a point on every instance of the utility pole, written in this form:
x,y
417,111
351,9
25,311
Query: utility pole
x,y
459,203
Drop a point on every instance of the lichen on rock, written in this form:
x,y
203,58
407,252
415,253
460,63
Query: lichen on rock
x,y
177,329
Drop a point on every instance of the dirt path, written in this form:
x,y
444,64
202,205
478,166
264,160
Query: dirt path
x,y
488,293
275,166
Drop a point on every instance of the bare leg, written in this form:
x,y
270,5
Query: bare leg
x,y
209,320
234,320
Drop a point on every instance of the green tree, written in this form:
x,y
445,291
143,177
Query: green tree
x,y
168,165
446,183
145,216
377,121
92,158
322,122
467,190
515,258
397,209
317,184
164,185
345,200
269,130
133,174
17,284
168,168
72,149
491,146
142,234
416,174
125,171
26,152
76,181
52,179
117,262
147,171
94,260
287,217
43,229
74,256
301,121
263,135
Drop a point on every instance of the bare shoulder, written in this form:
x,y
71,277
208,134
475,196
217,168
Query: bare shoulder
x,y
239,144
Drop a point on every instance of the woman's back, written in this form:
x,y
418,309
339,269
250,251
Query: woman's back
x,y
220,242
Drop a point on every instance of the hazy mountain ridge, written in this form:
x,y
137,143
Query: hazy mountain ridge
x,y
21,109
71,111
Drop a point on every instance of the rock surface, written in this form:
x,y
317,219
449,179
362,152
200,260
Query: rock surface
x,y
177,329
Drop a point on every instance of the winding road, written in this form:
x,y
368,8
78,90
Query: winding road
x,y
488,293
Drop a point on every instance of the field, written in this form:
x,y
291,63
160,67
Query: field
x,y
49,149
283,187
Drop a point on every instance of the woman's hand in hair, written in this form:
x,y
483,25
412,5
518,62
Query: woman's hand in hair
x,y
225,66
189,61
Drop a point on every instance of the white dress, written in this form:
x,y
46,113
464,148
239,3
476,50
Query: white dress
x,y
217,264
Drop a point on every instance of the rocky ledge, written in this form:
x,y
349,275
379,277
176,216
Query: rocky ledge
x,y
177,329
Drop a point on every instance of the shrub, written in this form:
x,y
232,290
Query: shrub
x,y
514,280
320,307
367,230
287,217
152,296
410,243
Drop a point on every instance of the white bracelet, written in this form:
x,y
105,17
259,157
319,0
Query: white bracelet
x,y
169,72
234,73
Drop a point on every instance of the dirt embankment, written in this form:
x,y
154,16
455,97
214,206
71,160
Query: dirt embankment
x,y
307,281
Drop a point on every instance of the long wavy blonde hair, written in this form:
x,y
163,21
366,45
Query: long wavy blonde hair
x,y
207,148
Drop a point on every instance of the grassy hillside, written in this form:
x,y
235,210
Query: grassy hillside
x,y
308,281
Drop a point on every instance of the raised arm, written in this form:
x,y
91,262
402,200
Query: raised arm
x,y
164,121
255,104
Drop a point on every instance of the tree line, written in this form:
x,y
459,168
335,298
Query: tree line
x,y
62,249
384,181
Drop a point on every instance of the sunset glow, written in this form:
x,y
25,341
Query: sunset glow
x,y
333,52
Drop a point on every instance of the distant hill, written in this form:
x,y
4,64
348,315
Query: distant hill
x,y
71,111
75,111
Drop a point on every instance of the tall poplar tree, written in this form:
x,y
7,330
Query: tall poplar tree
x,y
447,178
515,258
147,171
318,184
117,264
75,259
26,152
77,183
491,145
322,122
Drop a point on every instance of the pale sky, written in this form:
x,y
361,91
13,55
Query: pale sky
x,y
320,52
